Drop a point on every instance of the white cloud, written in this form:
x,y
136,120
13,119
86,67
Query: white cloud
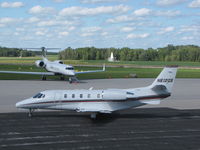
x,y
2,25
40,33
137,36
11,4
91,29
20,29
142,12
194,4
104,33
58,1
87,34
63,33
100,1
8,20
127,29
168,13
187,38
84,11
166,30
169,2
54,23
138,14
41,10
192,28
122,18
47,23
33,19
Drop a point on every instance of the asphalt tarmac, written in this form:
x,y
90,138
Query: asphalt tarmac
x,y
140,129
159,127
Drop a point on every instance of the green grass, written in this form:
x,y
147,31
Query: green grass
x,y
27,64
31,60
110,72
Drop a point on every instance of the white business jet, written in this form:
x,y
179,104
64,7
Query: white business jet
x,y
103,101
56,67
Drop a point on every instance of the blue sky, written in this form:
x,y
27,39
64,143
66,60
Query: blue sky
x,y
99,23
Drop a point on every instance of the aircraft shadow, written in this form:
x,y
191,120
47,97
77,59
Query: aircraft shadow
x,y
106,118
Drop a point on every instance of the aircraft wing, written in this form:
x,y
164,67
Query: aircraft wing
x,y
34,73
91,71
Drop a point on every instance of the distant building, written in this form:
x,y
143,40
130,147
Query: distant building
x,y
111,58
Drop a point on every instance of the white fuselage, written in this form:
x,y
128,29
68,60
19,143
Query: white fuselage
x,y
56,67
103,101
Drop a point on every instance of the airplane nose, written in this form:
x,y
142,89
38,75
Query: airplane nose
x,y
72,74
18,105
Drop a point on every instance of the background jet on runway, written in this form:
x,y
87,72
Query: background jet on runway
x,y
56,67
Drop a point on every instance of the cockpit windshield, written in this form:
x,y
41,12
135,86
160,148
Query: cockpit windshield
x,y
39,95
69,68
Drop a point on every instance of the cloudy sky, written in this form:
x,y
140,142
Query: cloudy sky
x,y
99,23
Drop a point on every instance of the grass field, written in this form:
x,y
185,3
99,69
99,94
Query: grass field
x,y
31,60
111,72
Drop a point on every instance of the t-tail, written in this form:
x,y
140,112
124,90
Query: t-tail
x,y
165,80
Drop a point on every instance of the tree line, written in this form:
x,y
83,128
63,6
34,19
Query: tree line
x,y
168,53
16,52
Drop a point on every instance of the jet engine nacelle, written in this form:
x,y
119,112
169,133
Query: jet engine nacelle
x,y
40,63
58,61
114,95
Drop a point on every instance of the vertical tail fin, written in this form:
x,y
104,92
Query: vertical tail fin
x,y
166,78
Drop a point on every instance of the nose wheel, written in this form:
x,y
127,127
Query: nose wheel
x,y
30,114
73,80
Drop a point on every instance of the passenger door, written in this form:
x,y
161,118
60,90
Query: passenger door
x,y
58,100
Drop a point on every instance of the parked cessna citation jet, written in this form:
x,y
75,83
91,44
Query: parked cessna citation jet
x,y
103,101
54,68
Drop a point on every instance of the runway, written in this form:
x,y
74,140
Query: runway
x,y
185,93
149,128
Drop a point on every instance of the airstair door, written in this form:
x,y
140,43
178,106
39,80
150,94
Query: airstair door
x,y
58,100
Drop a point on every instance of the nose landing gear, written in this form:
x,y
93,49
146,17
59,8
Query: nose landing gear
x,y
30,114
73,80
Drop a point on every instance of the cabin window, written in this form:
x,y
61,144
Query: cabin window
x,y
98,95
81,95
43,96
130,93
73,95
65,95
89,96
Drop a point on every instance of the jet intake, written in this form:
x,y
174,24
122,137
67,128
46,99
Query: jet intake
x,y
114,95
40,63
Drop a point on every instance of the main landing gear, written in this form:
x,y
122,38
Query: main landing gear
x,y
62,78
93,115
44,77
